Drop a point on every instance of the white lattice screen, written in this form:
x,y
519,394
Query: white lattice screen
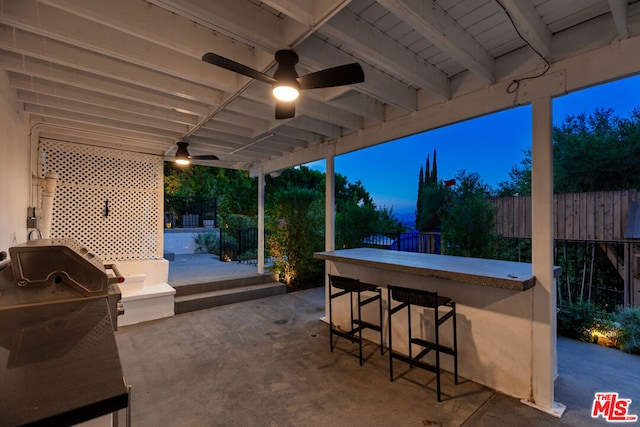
x,y
93,179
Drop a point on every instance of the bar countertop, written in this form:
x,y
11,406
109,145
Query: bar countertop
x,y
487,272
59,363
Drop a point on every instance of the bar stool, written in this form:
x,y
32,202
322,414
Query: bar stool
x,y
347,285
408,297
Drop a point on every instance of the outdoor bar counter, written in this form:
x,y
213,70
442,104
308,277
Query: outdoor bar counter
x,y
494,308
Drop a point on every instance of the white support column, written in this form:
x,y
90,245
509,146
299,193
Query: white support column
x,y
543,333
330,204
261,184
329,218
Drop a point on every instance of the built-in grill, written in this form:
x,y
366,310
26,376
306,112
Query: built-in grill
x,y
58,312
52,270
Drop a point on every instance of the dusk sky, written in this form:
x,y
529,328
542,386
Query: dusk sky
x,y
489,145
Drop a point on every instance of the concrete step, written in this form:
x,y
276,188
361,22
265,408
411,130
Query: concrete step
x,y
238,282
215,298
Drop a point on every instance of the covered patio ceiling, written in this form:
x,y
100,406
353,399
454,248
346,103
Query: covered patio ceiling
x,y
128,74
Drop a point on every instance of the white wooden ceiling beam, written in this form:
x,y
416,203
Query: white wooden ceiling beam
x,y
272,150
300,134
43,87
430,20
37,46
376,83
240,20
249,106
619,11
306,123
327,113
222,149
99,111
311,13
53,73
71,125
100,121
254,124
56,24
160,26
359,103
110,141
220,126
375,47
530,25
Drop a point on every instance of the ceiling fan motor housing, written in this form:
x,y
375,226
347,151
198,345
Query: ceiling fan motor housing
x,y
286,72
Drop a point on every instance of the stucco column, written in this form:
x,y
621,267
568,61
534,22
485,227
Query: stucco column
x,y
330,202
329,218
543,332
261,185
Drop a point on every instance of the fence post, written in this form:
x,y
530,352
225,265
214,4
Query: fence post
x,y
220,244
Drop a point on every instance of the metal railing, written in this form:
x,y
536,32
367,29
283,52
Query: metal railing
x,y
591,271
183,213
241,244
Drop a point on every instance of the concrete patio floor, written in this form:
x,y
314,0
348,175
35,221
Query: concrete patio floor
x,y
187,269
267,363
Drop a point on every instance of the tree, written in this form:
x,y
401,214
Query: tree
x,y
432,195
597,152
234,189
591,152
468,228
297,232
519,182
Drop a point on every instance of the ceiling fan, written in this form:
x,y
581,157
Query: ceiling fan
x,y
285,80
184,158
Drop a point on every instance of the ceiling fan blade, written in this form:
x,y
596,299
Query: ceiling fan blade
x,y
205,157
337,76
236,67
285,110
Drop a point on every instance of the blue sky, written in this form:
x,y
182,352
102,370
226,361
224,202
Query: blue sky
x,y
489,145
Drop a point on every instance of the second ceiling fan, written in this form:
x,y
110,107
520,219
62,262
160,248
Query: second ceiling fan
x,y
286,82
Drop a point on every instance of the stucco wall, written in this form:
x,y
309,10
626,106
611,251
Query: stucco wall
x,y
14,168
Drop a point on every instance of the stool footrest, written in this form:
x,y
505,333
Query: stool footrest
x,y
430,345
413,361
348,335
370,300
363,324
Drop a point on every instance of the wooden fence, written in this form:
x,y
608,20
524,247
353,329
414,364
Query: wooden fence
x,y
595,216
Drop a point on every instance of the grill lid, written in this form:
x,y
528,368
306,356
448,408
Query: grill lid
x,y
44,262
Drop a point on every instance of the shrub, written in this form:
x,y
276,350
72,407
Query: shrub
x,y
296,235
629,337
577,320
208,242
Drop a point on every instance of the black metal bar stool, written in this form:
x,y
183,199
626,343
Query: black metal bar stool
x,y
408,297
347,285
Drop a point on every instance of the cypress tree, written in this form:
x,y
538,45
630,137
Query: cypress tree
x,y
427,177
434,172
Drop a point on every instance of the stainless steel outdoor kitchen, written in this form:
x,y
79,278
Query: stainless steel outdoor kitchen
x,y
59,363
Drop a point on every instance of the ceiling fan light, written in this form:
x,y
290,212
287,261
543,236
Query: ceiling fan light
x,y
182,155
285,92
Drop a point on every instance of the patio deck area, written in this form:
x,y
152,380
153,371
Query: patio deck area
x,y
267,362
187,269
